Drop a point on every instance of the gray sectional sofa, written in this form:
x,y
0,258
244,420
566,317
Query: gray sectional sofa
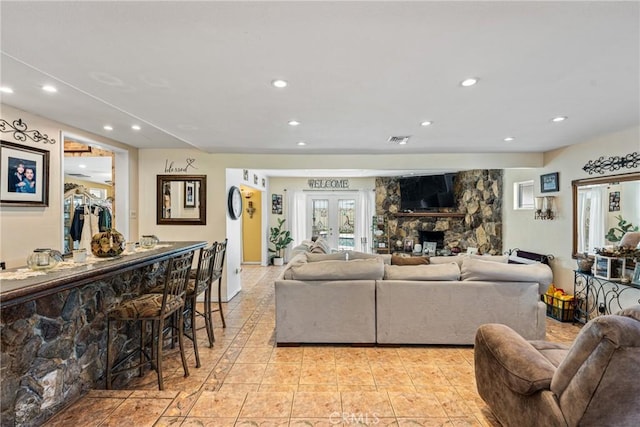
x,y
358,298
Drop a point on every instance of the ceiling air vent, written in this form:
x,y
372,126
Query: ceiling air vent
x,y
79,175
400,140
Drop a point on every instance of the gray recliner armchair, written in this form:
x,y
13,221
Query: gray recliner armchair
x,y
593,382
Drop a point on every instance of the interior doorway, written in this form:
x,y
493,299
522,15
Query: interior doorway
x,y
251,225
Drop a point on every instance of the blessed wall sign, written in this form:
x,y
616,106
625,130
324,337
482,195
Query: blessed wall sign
x,y
172,167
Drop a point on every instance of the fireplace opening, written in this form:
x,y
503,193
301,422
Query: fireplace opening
x,y
432,236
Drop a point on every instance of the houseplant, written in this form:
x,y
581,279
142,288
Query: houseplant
x,y
280,239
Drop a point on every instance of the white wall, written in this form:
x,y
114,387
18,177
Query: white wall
x,y
23,229
556,237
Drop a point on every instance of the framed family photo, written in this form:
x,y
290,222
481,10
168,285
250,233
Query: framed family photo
x,y
549,183
24,175
189,194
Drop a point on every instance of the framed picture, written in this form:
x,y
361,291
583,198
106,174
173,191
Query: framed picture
x,y
24,175
429,248
245,174
549,183
255,179
636,274
276,204
264,182
614,201
189,194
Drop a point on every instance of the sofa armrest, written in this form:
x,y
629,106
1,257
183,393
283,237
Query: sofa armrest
x,y
502,353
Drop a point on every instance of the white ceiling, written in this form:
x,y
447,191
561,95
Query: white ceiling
x,y
197,74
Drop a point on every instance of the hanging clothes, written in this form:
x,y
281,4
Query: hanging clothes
x,y
77,222
85,238
104,219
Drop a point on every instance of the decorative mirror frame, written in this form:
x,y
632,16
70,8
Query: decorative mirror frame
x,y
201,197
634,176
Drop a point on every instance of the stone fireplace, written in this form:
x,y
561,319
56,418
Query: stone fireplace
x,y
476,221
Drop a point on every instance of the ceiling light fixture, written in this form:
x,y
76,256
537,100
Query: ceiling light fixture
x,y
82,166
509,138
135,127
108,127
426,123
6,89
49,88
279,83
302,143
559,119
294,123
469,82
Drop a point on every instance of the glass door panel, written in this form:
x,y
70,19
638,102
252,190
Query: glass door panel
x,y
330,214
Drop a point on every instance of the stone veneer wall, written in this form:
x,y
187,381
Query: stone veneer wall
x,y
54,348
479,196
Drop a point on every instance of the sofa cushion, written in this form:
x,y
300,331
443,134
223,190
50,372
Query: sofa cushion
x,y
493,258
478,270
446,259
315,257
358,269
442,272
409,260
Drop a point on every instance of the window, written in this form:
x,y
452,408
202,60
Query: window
x,y
523,195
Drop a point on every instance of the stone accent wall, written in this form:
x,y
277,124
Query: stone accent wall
x,y
54,348
479,196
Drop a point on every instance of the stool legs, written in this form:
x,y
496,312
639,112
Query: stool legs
x,y
208,321
224,325
192,302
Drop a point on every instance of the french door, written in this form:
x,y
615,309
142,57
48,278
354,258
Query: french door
x,y
333,217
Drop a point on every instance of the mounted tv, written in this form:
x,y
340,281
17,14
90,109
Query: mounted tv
x,y
427,193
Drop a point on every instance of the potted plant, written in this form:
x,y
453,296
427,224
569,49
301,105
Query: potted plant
x,y
280,239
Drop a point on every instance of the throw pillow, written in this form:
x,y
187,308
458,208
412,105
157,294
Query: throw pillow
x,y
409,260
321,246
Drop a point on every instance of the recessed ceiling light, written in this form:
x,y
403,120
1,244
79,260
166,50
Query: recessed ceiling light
x,y
426,123
6,89
559,119
108,127
82,166
469,82
294,123
135,127
302,143
279,83
49,88
509,138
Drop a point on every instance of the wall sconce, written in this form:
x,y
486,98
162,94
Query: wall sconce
x,y
544,207
251,210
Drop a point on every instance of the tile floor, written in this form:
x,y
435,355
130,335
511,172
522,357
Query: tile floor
x,y
246,381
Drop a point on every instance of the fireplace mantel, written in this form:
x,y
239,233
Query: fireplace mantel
x,y
429,214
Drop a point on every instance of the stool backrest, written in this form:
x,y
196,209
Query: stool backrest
x,y
205,267
218,263
175,284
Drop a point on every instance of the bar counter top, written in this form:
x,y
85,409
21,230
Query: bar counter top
x,y
17,291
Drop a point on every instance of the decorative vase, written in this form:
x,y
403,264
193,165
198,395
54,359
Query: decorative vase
x,y
43,259
109,243
585,264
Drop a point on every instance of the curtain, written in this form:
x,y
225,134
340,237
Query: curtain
x,y
583,200
366,202
596,218
296,217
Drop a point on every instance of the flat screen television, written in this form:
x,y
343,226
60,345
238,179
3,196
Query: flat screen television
x,y
425,193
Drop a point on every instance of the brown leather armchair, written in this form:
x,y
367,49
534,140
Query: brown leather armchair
x,y
594,382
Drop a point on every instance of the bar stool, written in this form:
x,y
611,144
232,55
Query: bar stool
x,y
198,284
154,308
216,274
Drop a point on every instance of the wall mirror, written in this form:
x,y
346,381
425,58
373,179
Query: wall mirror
x,y
598,206
182,199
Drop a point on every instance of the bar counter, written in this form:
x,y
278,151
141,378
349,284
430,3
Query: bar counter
x,y
53,329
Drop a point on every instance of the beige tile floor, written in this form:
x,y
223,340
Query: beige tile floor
x,y
245,380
